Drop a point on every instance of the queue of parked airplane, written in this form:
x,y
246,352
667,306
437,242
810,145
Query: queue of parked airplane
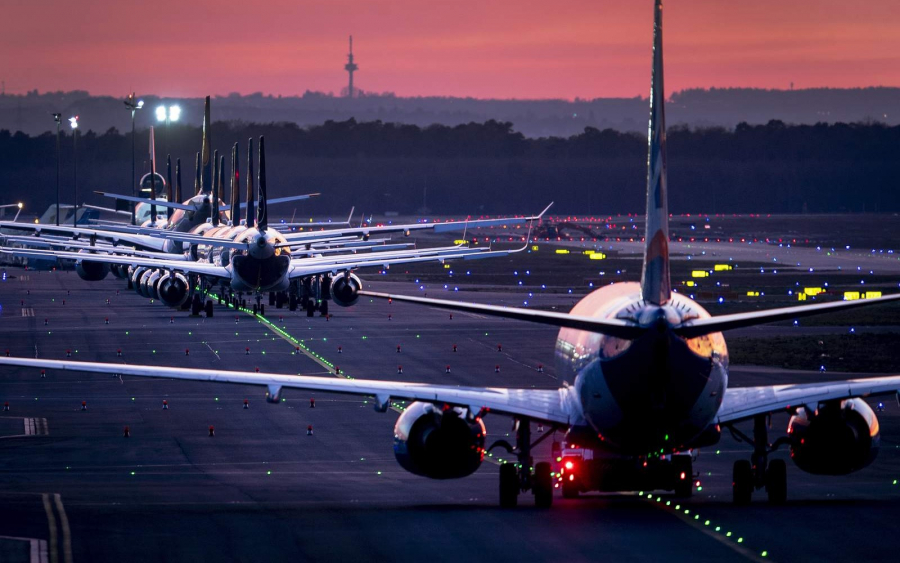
x,y
644,372
202,243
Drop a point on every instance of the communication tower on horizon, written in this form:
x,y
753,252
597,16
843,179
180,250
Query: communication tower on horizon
x,y
350,67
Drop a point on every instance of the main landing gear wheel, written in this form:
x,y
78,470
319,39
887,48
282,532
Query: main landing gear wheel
x,y
209,308
776,481
262,309
323,308
543,485
310,308
742,482
509,485
684,475
292,303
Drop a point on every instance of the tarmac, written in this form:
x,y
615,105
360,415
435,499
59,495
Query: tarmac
x,y
73,488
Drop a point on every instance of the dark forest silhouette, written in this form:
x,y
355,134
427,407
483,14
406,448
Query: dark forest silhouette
x,y
490,168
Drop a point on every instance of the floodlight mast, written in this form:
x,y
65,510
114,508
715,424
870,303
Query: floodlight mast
x,y
133,105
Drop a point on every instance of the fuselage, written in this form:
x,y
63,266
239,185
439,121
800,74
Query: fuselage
x,y
658,392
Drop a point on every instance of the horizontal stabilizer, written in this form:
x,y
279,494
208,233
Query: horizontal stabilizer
x,y
611,327
275,200
699,327
159,202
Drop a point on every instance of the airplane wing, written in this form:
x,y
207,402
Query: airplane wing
x,y
551,405
303,267
153,243
745,402
187,267
436,227
274,200
59,242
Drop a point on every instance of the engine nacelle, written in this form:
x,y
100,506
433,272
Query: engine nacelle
x,y
152,280
345,289
173,290
143,286
839,438
438,444
136,274
89,270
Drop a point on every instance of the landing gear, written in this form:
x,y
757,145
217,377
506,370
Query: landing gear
x,y
742,482
271,299
543,485
517,477
310,308
292,303
323,308
509,485
209,308
759,472
196,305
776,481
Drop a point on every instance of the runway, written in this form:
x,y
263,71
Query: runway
x,y
261,489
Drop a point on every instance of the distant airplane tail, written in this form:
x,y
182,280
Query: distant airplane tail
x,y
235,188
251,215
656,285
262,212
206,184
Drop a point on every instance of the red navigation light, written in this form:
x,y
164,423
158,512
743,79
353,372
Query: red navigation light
x,y
682,476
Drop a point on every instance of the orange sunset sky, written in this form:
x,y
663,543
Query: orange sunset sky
x,y
478,48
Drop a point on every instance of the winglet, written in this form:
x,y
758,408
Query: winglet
x,y
541,214
656,286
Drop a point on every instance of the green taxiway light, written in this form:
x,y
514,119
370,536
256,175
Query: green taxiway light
x,y
268,472
132,472
727,534
764,554
706,523
379,472
740,540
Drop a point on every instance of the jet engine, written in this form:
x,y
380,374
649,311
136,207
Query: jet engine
x,y
839,438
439,444
136,274
151,281
173,289
345,289
143,287
89,270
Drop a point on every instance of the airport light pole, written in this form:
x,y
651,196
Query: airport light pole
x,y
167,115
133,105
57,117
73,121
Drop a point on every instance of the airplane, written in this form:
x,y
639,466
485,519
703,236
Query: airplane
x,y
255,259
645,383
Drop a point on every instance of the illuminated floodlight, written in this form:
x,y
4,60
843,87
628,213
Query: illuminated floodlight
x,y
140,104
19,205
73,121
161,113
174,113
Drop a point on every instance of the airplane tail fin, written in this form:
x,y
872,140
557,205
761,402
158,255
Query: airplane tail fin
x,y
169,195
198,189
152,177
206,184
214,185
262,212
251,201
178,180
656,285
235,188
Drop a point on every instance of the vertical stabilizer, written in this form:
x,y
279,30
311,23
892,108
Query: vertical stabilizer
x,y
251,198
206,178
169,195
197,188
152,177
235,188
656,285
262,212
214,196
221,177
178,181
